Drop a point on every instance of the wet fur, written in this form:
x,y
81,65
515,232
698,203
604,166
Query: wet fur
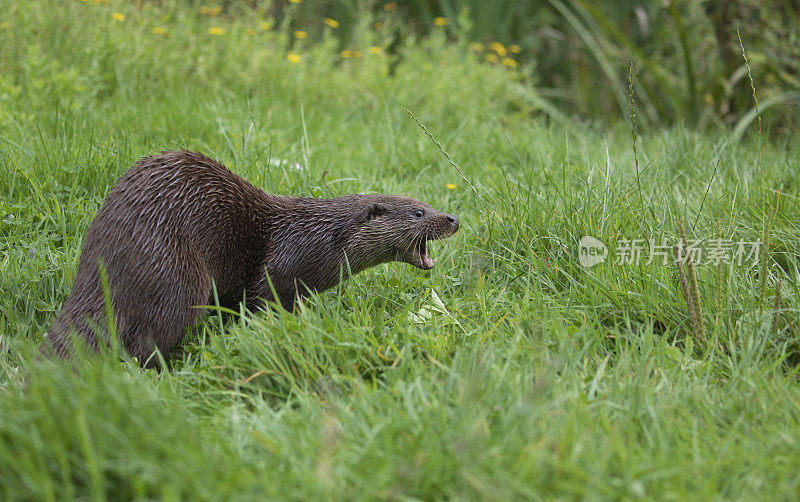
x,y
178,221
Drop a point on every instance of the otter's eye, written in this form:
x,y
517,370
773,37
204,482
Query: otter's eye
x,y
419,213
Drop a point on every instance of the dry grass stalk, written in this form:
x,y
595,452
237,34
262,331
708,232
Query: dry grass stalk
x,y
687,296
450,160
694,289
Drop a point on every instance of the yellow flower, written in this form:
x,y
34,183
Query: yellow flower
x,y
215,11
499,48
331,22
4,25
515,49
475,46
265,25
452,186
293,58
300,34
250,31
356,54
345,54
509,62
375,50
216,30
390,6
295,1
158,30
118,17
440,21
492,58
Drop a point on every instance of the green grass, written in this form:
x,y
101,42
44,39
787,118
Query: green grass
x,y
508,371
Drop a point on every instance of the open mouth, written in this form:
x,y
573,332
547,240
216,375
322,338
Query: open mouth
x,y
421,257
418,254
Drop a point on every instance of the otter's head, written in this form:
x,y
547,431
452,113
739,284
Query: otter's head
x,y
398,228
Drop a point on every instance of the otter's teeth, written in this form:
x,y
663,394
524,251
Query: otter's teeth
x,y
425,261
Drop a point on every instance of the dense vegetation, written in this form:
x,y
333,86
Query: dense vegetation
x,y
508,371
687,56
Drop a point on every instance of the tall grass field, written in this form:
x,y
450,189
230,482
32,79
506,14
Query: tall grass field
x,y
511,370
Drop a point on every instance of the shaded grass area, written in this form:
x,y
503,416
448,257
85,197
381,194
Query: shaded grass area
x,y
508,371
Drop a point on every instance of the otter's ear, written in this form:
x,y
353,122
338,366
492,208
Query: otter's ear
x,y
376,210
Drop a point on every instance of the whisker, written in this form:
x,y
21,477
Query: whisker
x,y
412,243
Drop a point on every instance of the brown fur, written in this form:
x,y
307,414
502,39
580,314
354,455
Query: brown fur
x,y
177,221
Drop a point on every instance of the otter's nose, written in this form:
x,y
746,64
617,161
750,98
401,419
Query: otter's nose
x,y
453,221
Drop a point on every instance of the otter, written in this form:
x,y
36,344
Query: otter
x,y
179,230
